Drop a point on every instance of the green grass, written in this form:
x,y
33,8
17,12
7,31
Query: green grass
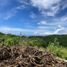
x,y
58,51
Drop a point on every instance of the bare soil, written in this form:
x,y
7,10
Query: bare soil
x,y
28,56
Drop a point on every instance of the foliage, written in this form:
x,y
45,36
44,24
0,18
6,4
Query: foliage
x,y
57,44
58,50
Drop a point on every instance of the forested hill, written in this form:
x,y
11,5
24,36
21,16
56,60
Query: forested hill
x,y
62,39
36,40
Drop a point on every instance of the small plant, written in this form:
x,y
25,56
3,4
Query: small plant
x,y
57,50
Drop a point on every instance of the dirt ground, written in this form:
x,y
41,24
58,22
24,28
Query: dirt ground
x,y
28,56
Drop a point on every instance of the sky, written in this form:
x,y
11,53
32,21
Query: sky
x,y
33,17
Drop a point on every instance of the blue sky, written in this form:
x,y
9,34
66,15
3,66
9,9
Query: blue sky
x,y
33,17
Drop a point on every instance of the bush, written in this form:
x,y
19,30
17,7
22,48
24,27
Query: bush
x,y
58,50
39,43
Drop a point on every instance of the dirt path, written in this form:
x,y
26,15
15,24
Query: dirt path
x,y
19,56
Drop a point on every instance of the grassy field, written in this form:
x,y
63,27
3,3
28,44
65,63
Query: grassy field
x,y
56,44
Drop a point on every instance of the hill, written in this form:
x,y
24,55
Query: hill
x,y
62,39
37,40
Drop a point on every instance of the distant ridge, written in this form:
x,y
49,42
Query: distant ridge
x,y
62,39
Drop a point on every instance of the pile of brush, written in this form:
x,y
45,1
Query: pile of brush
x,y
28,56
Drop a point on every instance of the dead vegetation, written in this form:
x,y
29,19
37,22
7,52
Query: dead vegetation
x,y
19,56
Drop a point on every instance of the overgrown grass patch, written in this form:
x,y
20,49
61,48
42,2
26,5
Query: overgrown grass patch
x,y
58,51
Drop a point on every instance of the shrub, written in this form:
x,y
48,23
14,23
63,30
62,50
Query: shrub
x,y
58,50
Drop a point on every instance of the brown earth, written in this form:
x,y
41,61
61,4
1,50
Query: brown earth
x,y
19,56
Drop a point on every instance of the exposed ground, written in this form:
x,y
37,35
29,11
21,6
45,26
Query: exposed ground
x,y
27,56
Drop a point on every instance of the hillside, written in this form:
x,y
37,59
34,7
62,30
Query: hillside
x,y
56,44
41,40
62,39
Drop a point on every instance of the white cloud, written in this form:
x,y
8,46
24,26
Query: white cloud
x,y
49,7
64,4
14,30
55,26
42,23
17,31
45,4
25,2
61,30
63,19
42,32
33,15
10,14
13,12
